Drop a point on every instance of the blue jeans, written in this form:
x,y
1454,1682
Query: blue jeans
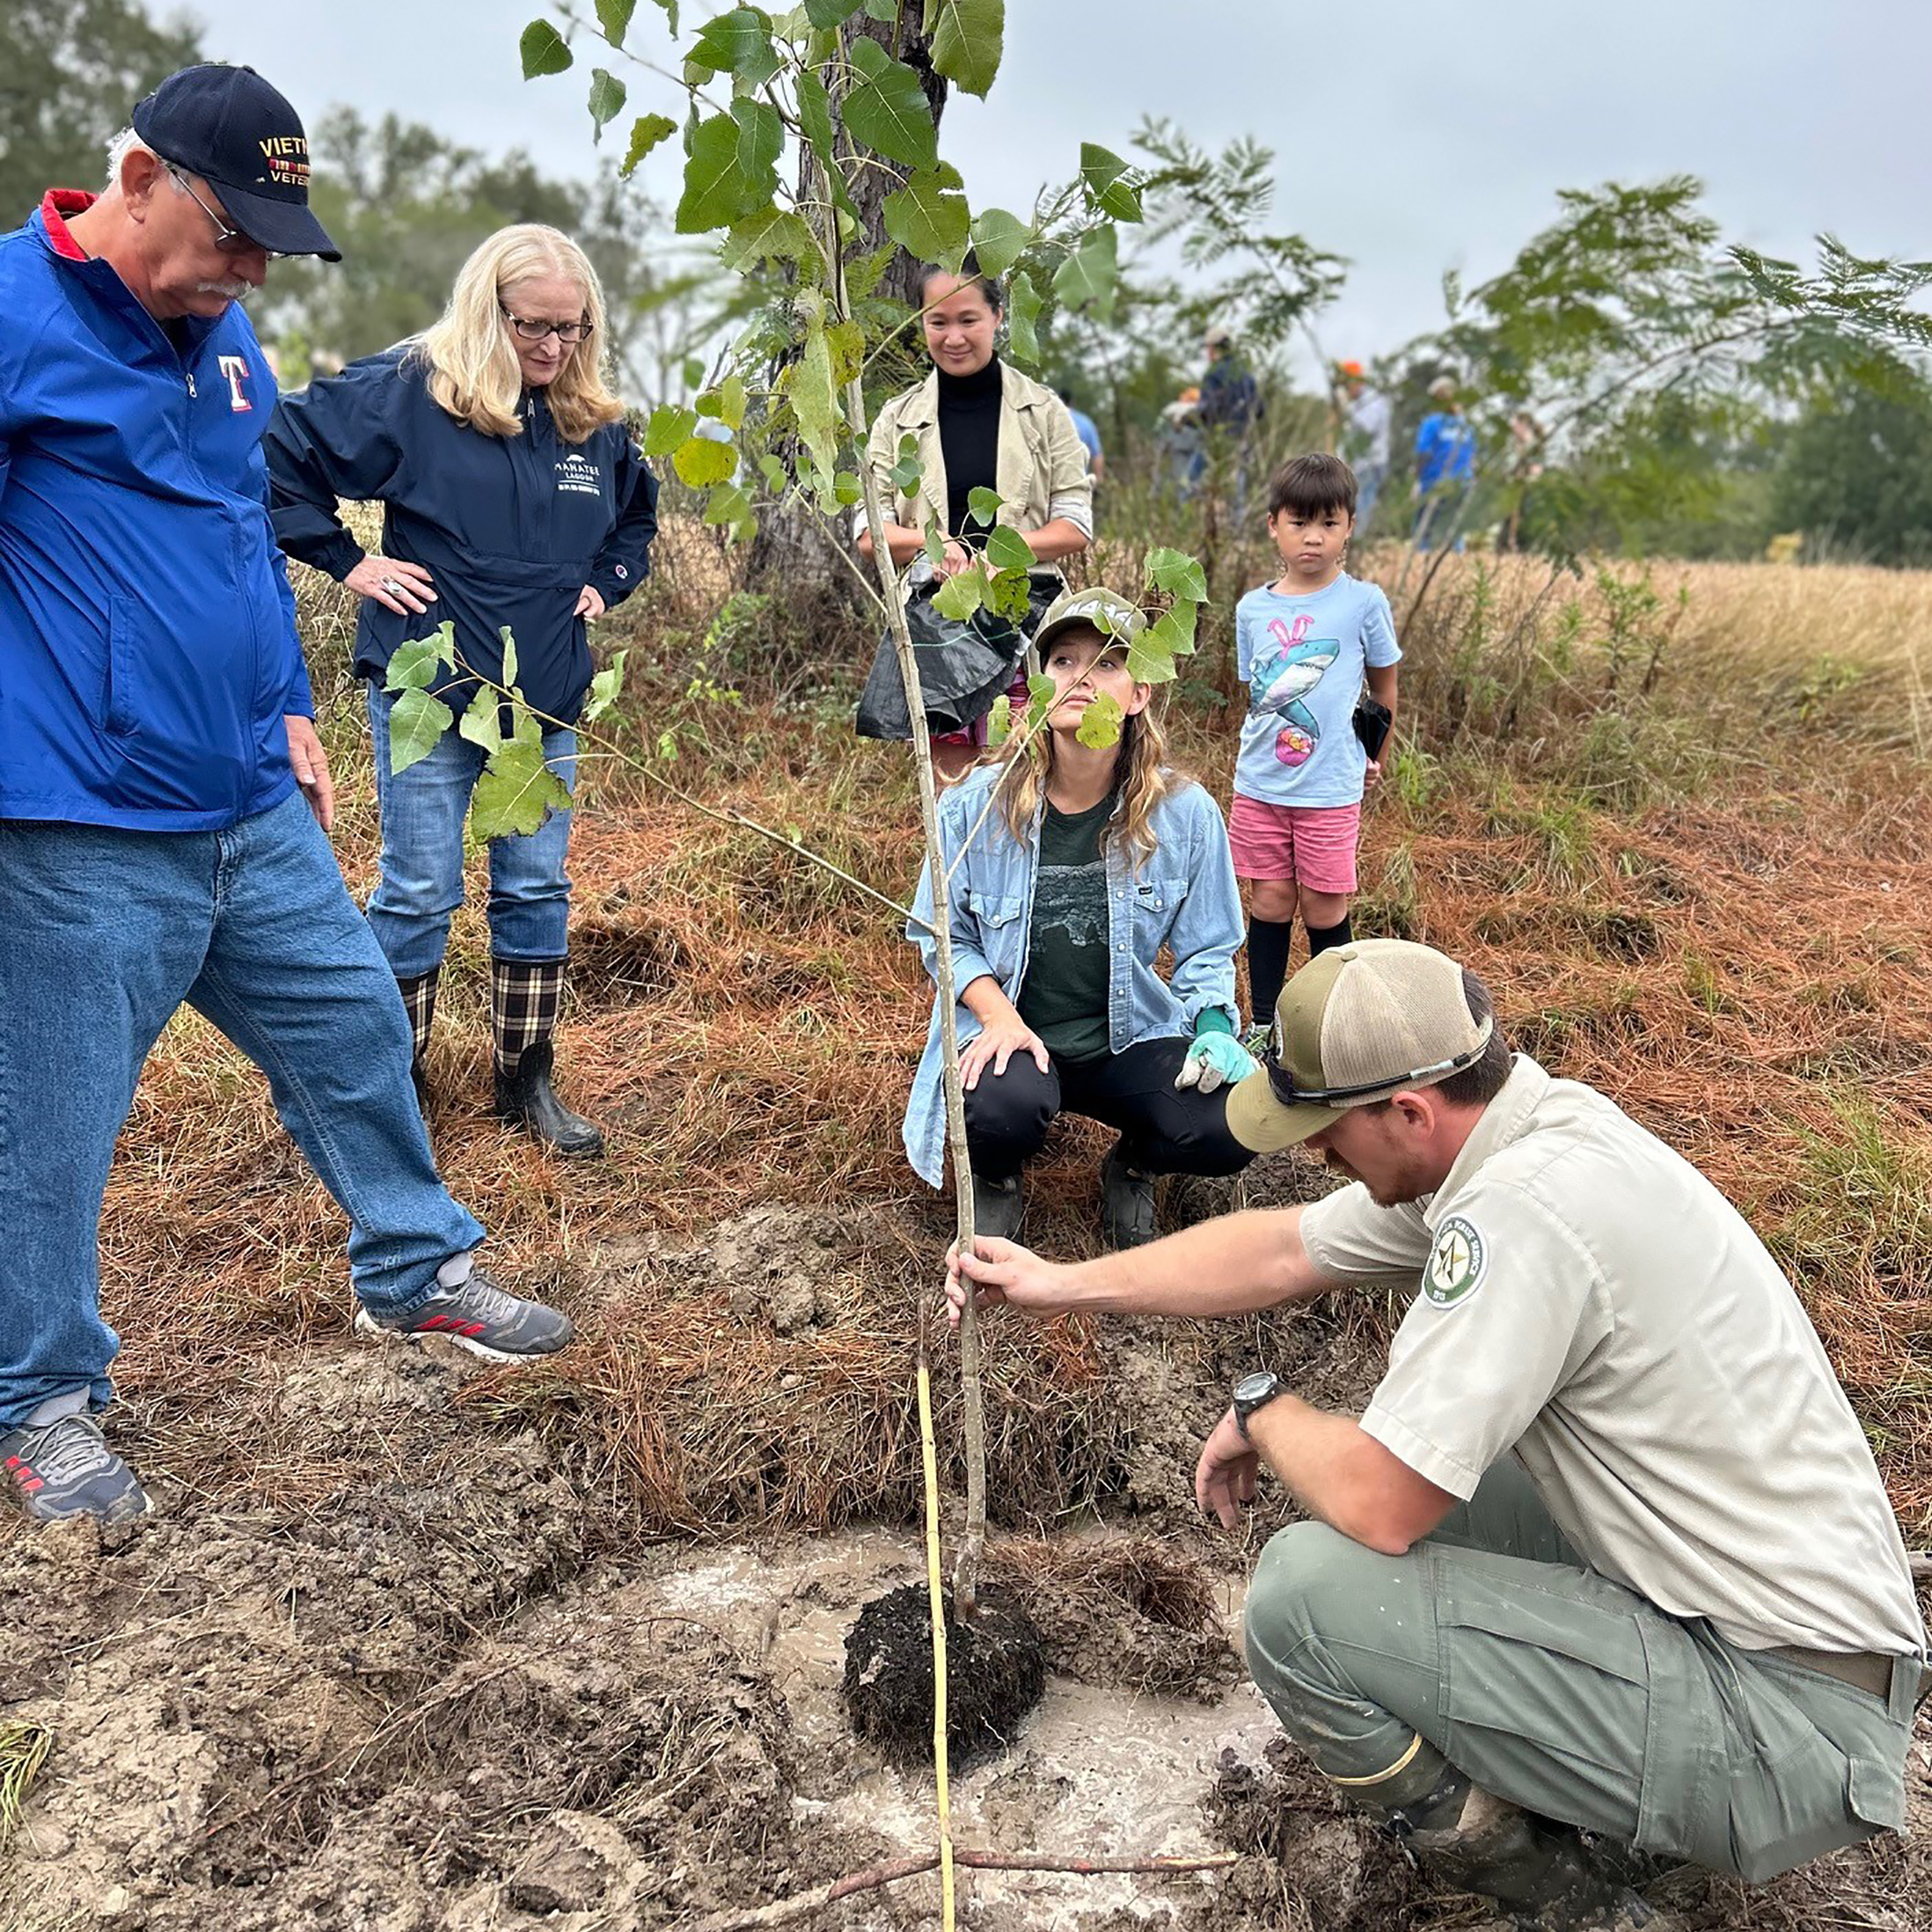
x,y
422,881
107,931
1369,479
1438,515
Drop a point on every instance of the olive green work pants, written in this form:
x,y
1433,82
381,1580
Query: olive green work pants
x,y
1567,1694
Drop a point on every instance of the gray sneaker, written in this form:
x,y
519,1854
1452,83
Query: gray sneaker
x,y
63,1469
477,1315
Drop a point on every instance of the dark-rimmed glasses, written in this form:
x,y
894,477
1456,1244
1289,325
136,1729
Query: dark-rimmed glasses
x,y
228,240
569,334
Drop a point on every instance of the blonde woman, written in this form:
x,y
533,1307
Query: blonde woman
x,y
513,498
1071,867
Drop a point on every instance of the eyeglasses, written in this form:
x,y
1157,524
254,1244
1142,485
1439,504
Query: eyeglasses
x,y
569,334
1281,1080
228,240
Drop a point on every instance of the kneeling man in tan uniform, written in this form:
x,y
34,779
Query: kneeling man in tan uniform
x,y
1607,1547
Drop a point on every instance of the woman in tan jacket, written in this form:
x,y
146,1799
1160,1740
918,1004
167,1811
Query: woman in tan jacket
x,y
979,424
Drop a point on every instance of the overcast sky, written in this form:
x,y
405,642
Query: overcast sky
x,y
1414,137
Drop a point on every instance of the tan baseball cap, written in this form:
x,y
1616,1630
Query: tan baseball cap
x,y
1115,617
1357,1023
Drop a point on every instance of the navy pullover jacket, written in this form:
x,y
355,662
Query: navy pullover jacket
x,y
148,652
511,528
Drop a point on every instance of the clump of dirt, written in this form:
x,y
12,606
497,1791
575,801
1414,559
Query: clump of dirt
x,y
995,1673
777,1265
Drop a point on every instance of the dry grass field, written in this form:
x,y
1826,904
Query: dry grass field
x,y
412,1646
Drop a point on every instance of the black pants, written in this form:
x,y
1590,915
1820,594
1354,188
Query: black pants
x,y
1164,1129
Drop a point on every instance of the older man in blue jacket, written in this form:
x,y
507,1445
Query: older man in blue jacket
x,y
163,797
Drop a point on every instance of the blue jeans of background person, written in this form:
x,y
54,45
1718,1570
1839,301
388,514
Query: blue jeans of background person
x,y
107,933
422,882
1439,513
1369,479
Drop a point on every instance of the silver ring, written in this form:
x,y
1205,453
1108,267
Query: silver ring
x,y
392,587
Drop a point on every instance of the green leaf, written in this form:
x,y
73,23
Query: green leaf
x,y
702,462
815,116
773,234
667,746
1146,662
543,50
959,596
517,788
738,43
773,472
1023,306
846,341
864,273
1007,550
886,108
647,131
815,401
928,217
717,190
607,94
614,19
510,658
727,504
830,13
1041,692
413,665
999,239
761,139
1101,722
906,471
967,38
1085,279
934,541
670,426
482,722
1112,187
1177,573
999,720
416,721
730,394
1011,594
1172,632
847,490
983,506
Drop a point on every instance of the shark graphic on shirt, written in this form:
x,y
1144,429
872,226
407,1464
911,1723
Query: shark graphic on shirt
x,y
1282,675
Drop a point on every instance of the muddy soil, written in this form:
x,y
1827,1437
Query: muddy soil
x,y
438,1691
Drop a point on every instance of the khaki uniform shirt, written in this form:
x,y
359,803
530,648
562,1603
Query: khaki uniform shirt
x,y
1589,1299
1041,472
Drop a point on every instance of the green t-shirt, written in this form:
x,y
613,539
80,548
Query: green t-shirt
x,y
1065,997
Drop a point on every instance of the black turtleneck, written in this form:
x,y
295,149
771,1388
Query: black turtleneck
x,y
968,411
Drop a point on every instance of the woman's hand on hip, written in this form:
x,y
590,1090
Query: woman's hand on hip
x,y
997,1043
406,589
590,603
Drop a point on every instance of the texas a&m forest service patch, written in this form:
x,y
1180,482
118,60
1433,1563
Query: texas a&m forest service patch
x,y
1457,1264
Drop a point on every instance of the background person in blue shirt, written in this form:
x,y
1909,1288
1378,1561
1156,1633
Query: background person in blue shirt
x,y
1444,467
1304,645
1088,431
513,498
156,743
1070,867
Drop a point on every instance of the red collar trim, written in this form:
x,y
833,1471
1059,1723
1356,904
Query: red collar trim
x,y
55,206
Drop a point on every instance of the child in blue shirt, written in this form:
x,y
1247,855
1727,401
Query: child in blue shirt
x,y
1305,644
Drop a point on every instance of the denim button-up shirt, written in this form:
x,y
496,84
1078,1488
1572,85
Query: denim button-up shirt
x,y
1182,898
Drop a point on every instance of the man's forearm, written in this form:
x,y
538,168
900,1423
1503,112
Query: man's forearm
x,y
1342,1475
1231,1265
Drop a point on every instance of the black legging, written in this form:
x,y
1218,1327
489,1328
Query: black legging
x,y
1163,1129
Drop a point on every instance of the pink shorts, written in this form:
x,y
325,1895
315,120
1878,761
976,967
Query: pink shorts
x,y
1310,844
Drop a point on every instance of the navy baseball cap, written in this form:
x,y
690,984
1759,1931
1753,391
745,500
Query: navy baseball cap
x,y
229,126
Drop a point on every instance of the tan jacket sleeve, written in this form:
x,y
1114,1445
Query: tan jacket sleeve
x,y
1070,488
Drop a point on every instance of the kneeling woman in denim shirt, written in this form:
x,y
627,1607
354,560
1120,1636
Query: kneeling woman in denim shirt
x,y
512,499
1079,865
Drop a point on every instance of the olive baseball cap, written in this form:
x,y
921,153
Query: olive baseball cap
x,y
1357,1023
229,126
1115,617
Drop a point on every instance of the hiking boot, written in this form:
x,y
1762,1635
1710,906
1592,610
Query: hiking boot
x,y
477,1315
999,1207
1127,1204
526,1099
63,1469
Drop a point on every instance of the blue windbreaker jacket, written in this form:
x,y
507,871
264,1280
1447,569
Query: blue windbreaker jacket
x,y
511,528
147,649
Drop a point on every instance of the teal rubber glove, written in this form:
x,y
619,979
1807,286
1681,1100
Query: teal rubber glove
x,y
1216,1058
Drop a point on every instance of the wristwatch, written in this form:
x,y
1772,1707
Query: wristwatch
x,y
1254,1392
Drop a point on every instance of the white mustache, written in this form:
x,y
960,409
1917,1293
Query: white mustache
x,y
233,291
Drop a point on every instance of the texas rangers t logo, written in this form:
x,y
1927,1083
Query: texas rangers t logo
x,y
235,368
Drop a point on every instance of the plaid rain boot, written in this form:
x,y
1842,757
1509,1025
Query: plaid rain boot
x,y
419,1002
525,998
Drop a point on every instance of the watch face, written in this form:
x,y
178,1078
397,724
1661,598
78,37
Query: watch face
x,y
1256,1387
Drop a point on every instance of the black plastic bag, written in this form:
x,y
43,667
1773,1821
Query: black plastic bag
x,y
964,663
